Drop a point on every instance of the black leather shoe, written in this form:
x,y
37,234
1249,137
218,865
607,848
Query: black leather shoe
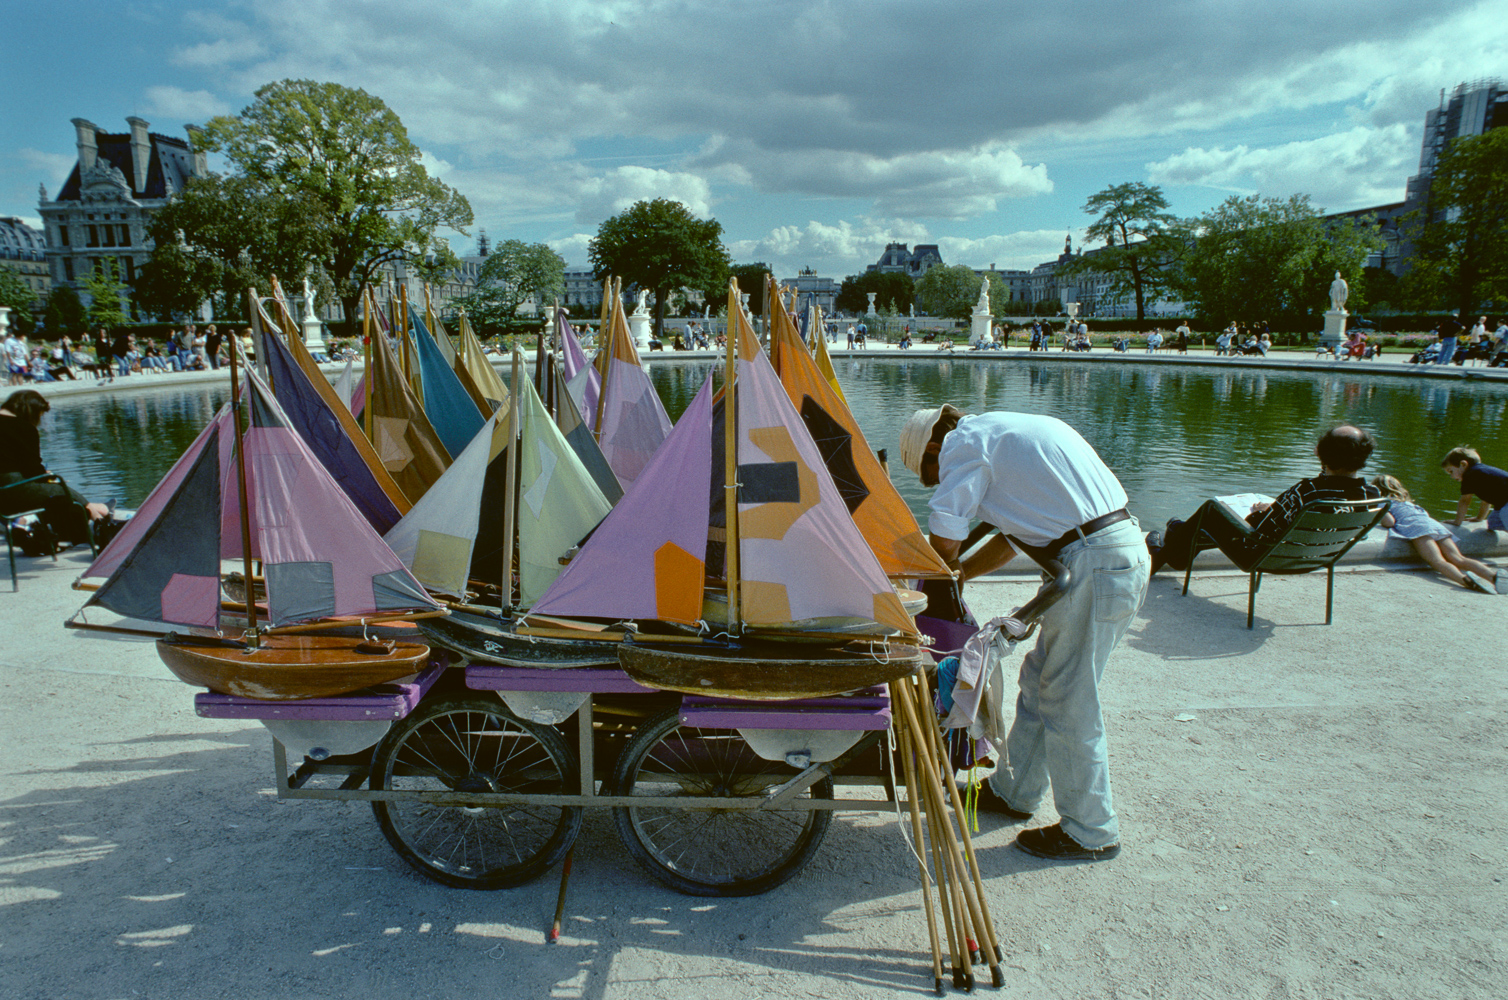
x,y
991,802
1154,548
1052,843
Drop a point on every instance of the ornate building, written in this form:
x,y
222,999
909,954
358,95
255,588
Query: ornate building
x,y
24,251
102,212
913,262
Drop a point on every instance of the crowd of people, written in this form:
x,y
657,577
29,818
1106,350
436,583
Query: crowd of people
x,y
1454,343
107,356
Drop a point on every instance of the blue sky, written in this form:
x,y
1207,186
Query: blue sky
x,y
814,131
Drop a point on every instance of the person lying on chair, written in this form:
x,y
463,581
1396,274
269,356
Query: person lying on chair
x,y
1342,452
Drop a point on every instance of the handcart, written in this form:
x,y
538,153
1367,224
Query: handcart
x,y
479,774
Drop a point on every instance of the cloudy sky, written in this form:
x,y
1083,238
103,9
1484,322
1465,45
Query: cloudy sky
x,y
814,131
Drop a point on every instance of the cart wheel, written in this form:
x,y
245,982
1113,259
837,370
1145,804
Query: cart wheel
x,y
475,745
712,852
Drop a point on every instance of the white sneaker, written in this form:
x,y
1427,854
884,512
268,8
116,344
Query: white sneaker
x,y
1477,583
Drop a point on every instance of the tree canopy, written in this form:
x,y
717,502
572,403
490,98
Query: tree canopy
x,y
1461,250
242,234
892,288
661,246
953,291
64,312
1137,230
105,289
1272,259
751,279
346,155
513,273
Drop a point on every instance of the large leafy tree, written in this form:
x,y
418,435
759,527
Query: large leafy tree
x,y
751,279
893,289
222,235
14,292
1134,224
513,273
1461,250
661,246
347,156
1257,258
953,291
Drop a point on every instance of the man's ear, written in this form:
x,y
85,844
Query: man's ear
x,y
933,447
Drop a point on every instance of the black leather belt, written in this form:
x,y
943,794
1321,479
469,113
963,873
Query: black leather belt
x,y
1051,549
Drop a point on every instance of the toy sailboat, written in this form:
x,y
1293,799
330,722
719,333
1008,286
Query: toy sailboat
x,y
259,493
785,593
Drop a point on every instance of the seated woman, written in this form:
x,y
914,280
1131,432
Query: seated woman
x,y
66,514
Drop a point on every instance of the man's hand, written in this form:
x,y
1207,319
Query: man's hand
x,y
1258,508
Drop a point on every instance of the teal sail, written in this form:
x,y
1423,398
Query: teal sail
x,y
447,404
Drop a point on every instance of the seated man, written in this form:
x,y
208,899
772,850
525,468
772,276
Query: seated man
x,y
1342,453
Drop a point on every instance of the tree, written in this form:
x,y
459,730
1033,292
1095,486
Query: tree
x,y
347,156
954,291
220,236
65,311
14,292
105,289
751,279
659,245
892,288
514,272
1273,259
1139,246
1461,248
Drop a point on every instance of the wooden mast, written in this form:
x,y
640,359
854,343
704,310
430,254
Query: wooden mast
x,y
604,353
510,486
730,466
235,402
400,326
366,358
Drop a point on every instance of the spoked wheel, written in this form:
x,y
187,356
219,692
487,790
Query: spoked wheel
x,y
475,745
712,852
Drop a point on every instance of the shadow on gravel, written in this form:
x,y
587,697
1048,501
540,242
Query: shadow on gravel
x,y
178,873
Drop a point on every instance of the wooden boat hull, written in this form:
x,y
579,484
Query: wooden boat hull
x,y
288,667
765,671
483,639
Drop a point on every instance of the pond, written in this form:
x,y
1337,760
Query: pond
x,y
1174,436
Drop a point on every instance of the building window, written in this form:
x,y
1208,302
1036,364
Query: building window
x,y
125,236
93,235
109,235
130,263
67,268
63,234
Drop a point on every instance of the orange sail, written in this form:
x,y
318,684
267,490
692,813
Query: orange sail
x,y
410,449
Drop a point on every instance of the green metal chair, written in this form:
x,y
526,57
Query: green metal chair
x,y
1324,531
8,521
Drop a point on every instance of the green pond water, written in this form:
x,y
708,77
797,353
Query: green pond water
x,y
1174,436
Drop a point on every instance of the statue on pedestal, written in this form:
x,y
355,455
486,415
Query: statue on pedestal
x,y
640,308
1339,292
871,302
983,305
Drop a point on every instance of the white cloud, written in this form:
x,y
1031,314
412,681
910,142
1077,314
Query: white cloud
x,y
220,53
189,105
601,196
574,249
1362,166
52,164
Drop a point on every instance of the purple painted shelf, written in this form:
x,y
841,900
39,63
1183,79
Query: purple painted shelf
x,y
383,701
594,680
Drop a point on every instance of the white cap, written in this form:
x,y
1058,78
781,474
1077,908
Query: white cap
x,y
915,435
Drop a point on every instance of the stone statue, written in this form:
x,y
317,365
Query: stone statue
x,y
41,192
308,297
983,305
640,309
1339,292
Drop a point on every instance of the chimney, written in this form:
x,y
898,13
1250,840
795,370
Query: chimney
x,y
87,149
196,143
141,152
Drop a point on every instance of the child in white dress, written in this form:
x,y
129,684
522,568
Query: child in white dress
x,y
1434,542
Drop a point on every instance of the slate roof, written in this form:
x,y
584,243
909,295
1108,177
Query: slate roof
x,y
170,159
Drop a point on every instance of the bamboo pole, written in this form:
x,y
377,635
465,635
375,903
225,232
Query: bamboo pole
x,y
730,468
603,360
921,862
235,402
510,486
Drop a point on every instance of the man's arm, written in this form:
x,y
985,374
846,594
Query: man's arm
x,y
947,549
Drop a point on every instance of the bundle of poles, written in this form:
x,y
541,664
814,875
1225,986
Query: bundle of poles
x,y
941,833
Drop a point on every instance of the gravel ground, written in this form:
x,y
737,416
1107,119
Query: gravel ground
x,y
1307,811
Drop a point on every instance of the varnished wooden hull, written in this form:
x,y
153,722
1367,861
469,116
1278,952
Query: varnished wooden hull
x,y
289,667
765,671
482,639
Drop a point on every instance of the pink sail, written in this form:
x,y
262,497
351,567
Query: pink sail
x,y
645,560
583,382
